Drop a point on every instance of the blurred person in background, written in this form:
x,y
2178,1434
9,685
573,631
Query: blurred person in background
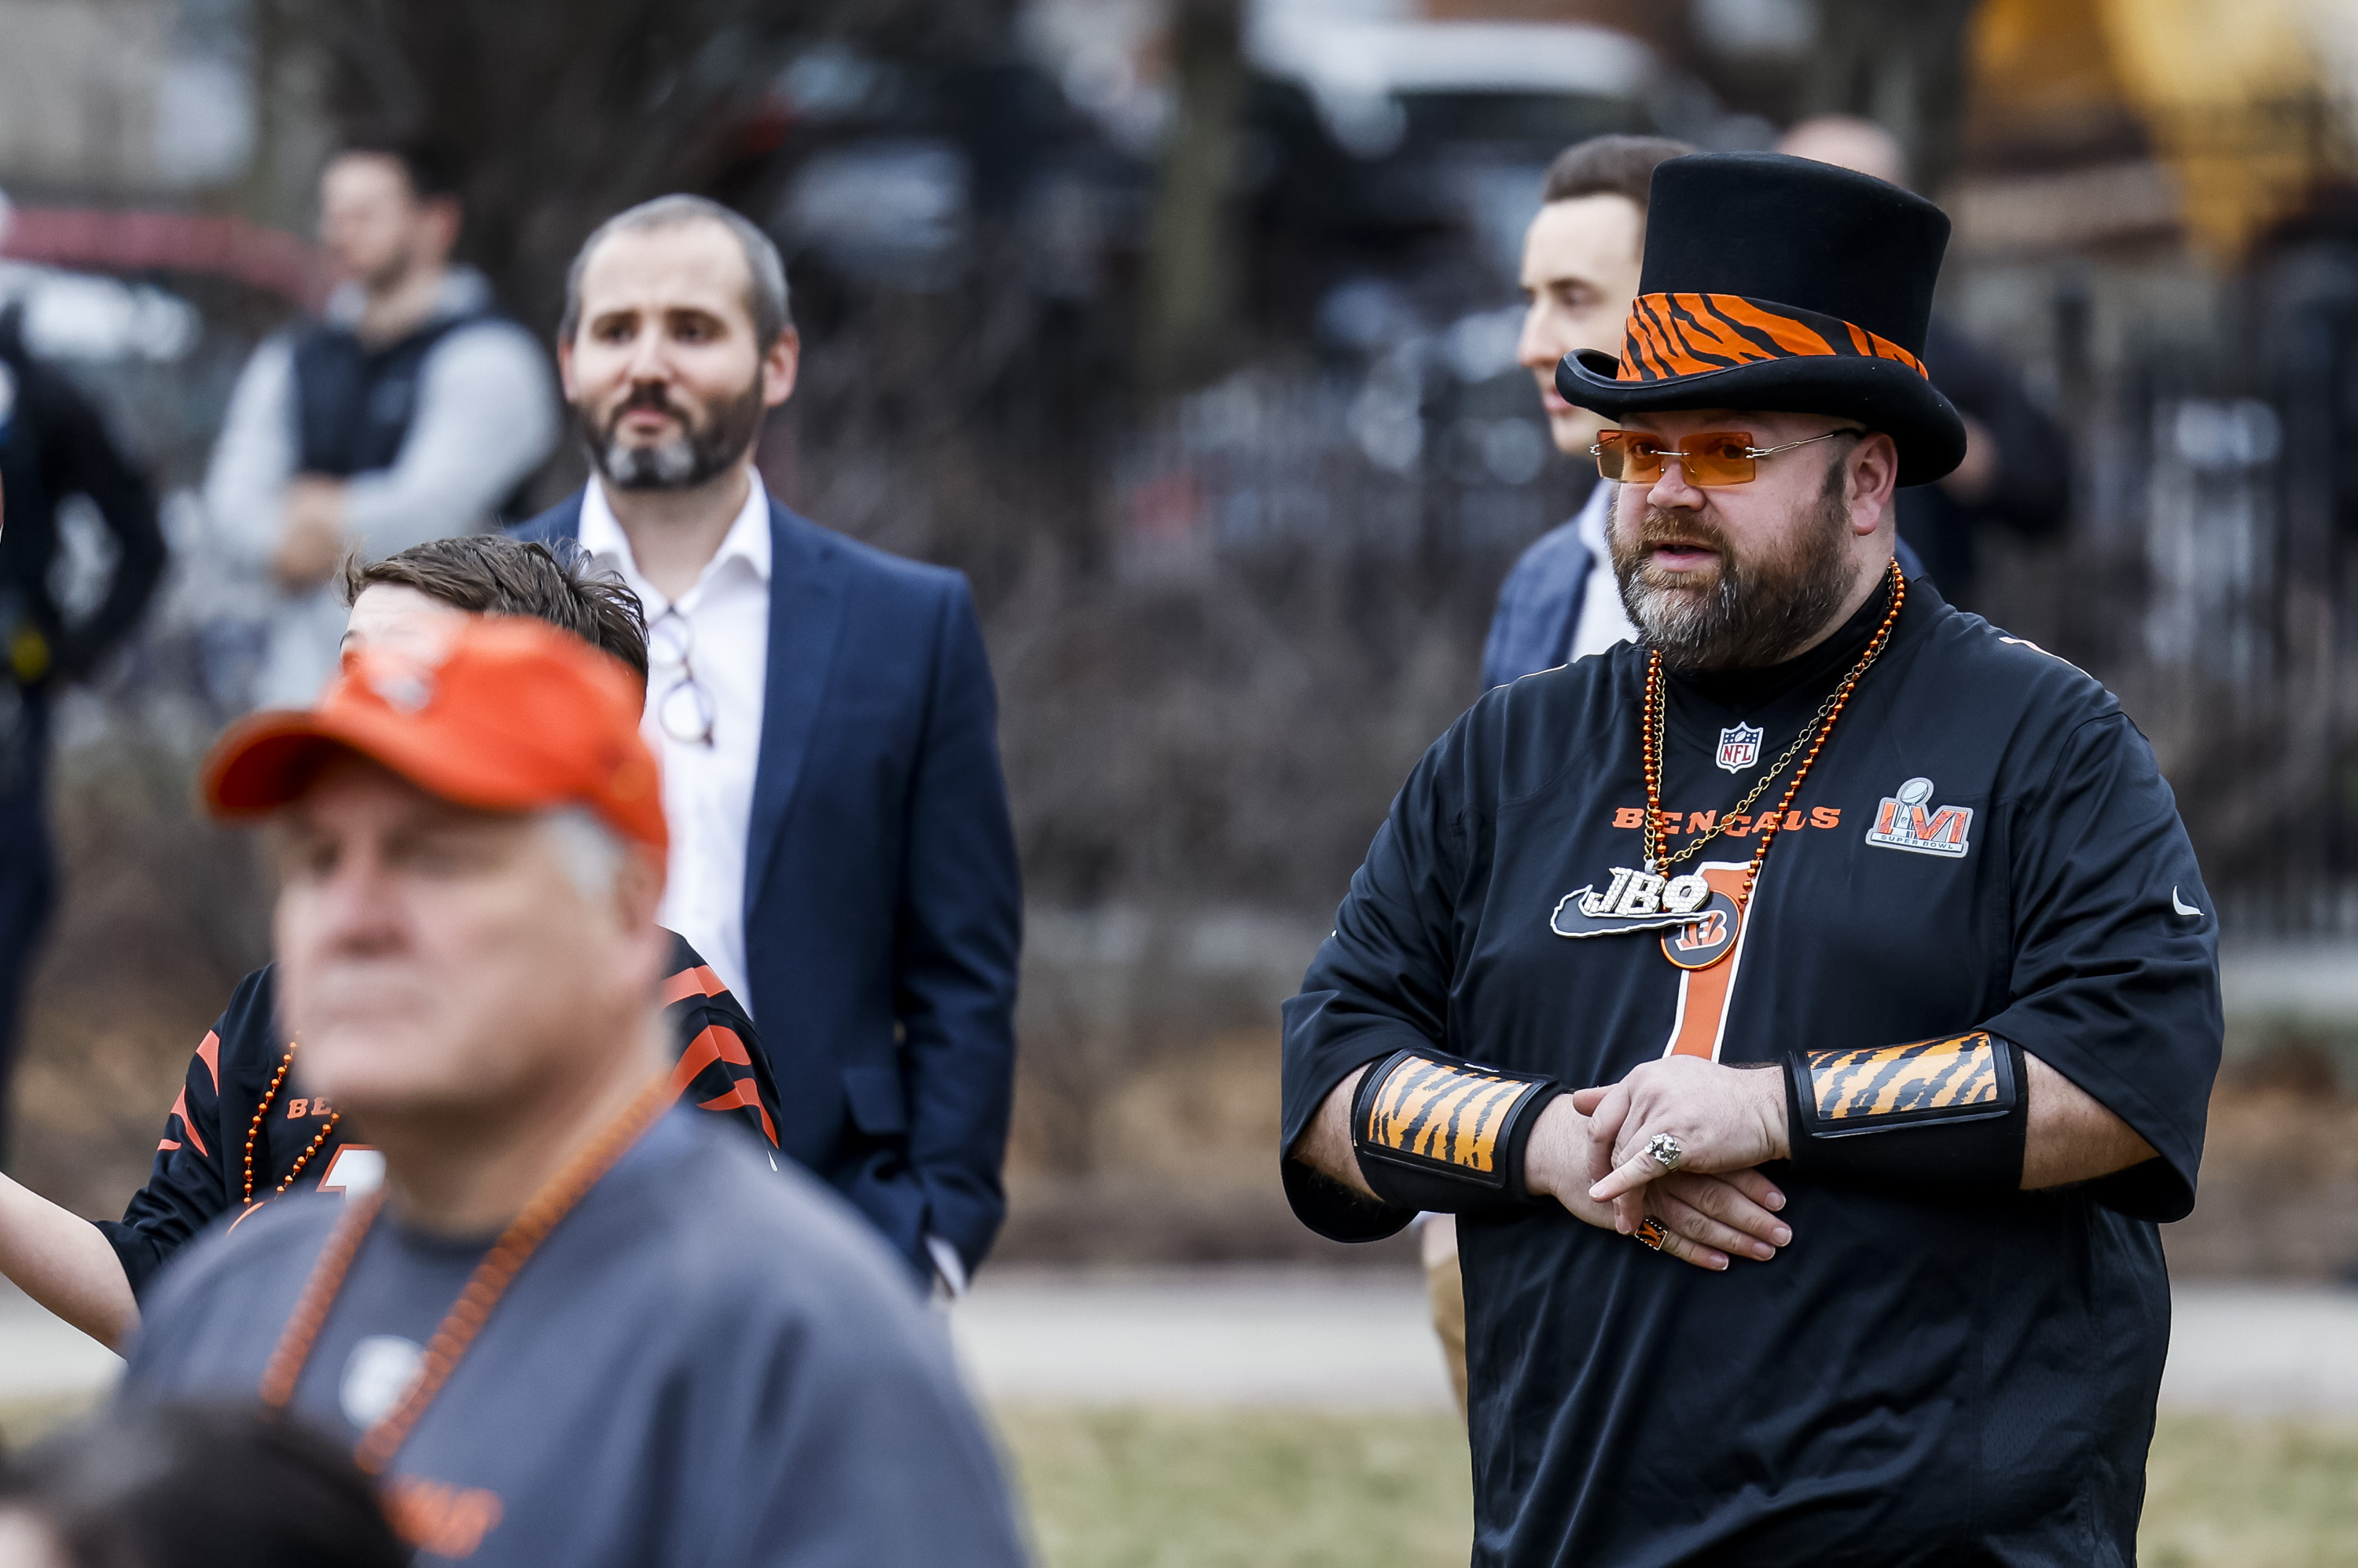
x,y
192,1487
409,411
246,1126
2018,469
576,1323
53,446
843,853
1580,270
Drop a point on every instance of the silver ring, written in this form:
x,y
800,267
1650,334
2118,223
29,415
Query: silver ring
x,y
1665,1151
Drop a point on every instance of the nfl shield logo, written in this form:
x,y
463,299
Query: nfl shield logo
x,y
1739,747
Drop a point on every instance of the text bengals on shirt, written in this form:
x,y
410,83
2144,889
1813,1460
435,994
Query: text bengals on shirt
x,y
1738,827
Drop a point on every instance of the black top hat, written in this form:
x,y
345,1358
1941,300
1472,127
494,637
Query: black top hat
x,y
1779,284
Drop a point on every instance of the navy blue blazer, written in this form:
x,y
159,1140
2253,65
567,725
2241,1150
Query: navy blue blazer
x,y
883,906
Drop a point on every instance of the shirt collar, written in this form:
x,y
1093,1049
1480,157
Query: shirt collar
x,y
748,539
1595,516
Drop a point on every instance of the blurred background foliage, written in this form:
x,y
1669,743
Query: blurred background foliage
x,y
1185,328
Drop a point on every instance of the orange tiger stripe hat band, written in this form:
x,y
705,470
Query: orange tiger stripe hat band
x,y
1674,335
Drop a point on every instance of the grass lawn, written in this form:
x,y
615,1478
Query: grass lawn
x,y
1159,1488
1169,1489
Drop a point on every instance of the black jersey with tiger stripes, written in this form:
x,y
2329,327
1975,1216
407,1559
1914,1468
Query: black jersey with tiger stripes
x,y
199,1171
1984,843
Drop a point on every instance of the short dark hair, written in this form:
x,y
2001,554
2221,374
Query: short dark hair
x,y
1611,166
432,168
490,574
188,1485
765,272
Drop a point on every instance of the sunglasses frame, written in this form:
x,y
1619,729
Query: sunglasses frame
x,y
1749,453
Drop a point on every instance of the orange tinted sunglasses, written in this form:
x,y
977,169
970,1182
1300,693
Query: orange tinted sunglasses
x,y
1719,457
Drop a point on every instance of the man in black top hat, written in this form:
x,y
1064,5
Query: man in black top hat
x,y
1827,939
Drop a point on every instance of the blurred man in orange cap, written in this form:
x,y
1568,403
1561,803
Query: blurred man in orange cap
x,y
569,1326
247,1125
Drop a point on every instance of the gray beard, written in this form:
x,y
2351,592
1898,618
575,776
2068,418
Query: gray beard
x,y
701,453
670,466
1757,613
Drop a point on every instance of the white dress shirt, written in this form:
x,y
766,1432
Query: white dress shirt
x,y
708,790
1603,622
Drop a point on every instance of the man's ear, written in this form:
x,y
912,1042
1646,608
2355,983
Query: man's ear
x,y
444,218
638,886
779,367
1870,479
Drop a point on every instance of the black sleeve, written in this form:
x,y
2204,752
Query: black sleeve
x,y
722,1068
2116,956
79,458
1380,982
193,1181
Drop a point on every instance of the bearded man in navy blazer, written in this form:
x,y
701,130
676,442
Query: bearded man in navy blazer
x,y
840,848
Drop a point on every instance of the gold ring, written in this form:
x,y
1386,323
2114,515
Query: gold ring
x,y
1650,1231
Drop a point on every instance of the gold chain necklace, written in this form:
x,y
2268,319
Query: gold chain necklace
x,y
490,1281
1820,726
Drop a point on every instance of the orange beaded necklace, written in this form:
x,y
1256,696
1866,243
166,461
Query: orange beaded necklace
x,y
490,1281
1815,734
254,1131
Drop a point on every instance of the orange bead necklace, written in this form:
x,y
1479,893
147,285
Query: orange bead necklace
x,y
254,1131
1815,734
484,1287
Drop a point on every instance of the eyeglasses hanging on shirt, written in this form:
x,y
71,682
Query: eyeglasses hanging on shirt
x,y
686,710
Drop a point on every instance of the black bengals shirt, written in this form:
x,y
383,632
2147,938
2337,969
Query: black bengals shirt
x,y
199,1172
1985,843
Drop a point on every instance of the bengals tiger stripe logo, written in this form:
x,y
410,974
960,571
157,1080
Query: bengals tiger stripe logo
x,y
1952,1078
1441,1111
1674,335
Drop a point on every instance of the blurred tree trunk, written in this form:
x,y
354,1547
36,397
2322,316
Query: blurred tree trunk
x,y
1902,64
1192,269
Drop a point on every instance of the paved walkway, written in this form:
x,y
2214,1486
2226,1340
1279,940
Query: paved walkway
x,y
1268,1336
1275,1336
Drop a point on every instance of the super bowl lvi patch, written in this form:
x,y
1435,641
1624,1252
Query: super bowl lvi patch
x,y
1908,820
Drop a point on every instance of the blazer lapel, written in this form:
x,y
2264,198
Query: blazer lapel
x,y
561,522
806,593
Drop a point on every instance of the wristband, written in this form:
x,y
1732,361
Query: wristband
x,y
1949,1111
1433,1134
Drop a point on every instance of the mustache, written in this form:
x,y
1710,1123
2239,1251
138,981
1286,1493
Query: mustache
x,y
647,397
1658,528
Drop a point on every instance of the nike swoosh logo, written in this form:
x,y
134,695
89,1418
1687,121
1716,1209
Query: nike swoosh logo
x,y
2180,905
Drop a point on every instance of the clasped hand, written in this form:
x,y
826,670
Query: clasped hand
x,y
1588,1153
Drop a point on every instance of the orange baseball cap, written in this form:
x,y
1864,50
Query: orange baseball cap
x,y
509,714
